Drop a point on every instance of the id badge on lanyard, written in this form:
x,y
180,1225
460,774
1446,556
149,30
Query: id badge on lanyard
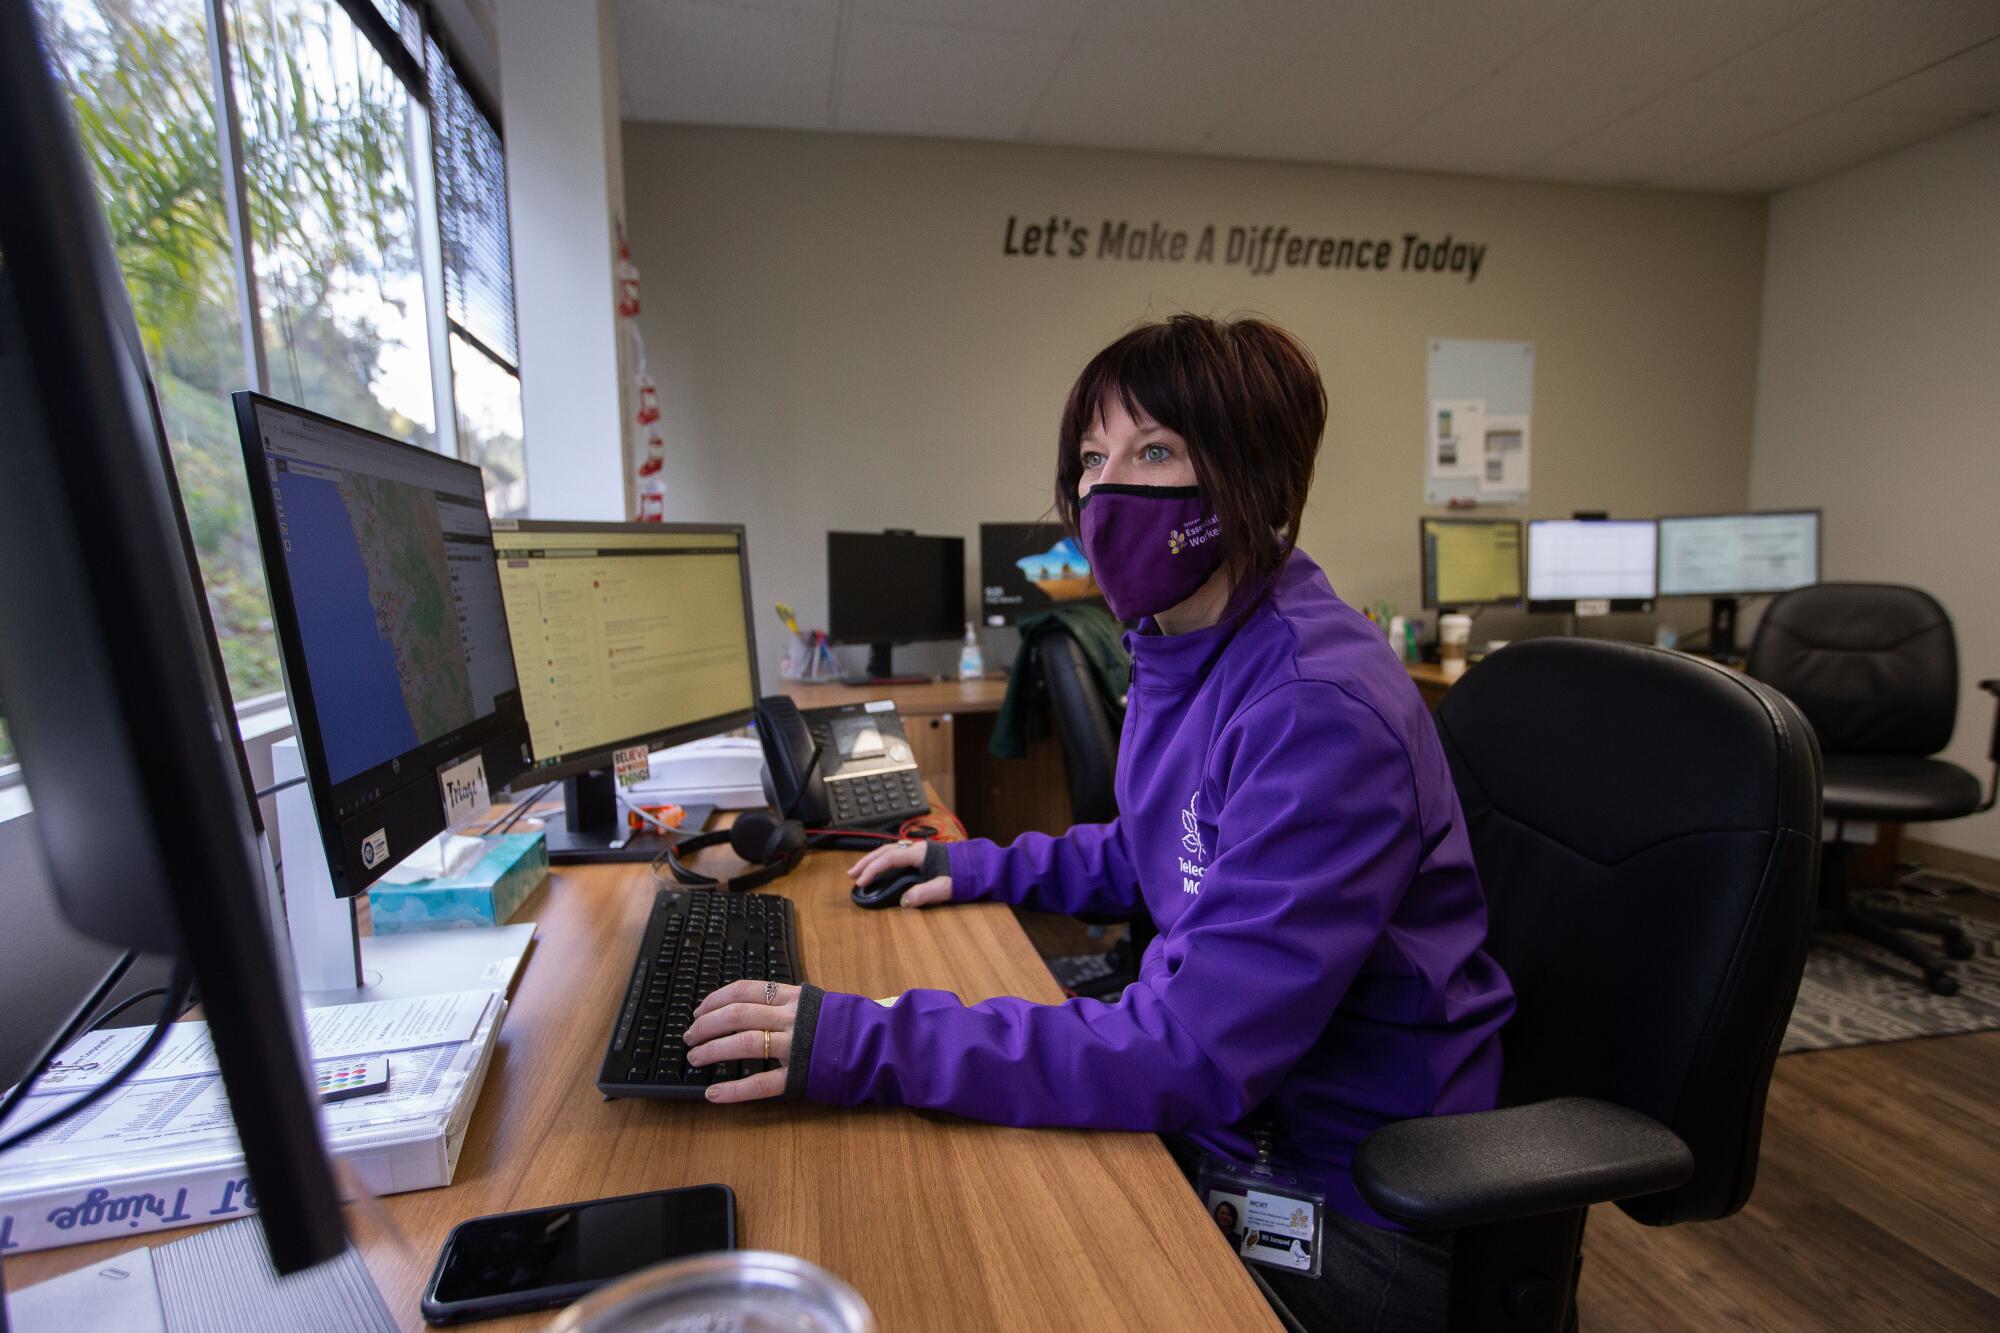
x,y
1272,1216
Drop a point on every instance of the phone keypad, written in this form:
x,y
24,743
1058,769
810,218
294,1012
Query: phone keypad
x,y
877,798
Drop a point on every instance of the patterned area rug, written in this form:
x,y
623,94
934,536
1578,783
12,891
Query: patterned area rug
x,y
1855,994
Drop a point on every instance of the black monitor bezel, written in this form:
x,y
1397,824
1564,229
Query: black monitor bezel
x,y
1567,605
1520,561
1011,615
139,803
501,737
1819,550
837,633
593,760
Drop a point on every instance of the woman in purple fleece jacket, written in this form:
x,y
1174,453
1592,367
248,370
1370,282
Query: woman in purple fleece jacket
x,y
1286,817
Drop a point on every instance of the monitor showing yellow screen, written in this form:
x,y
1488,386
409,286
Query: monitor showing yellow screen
x,y
626,634
1470,561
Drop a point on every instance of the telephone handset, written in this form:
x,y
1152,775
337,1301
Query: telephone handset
x,y
848,766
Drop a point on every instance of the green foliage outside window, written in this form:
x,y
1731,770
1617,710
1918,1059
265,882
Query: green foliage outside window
x,y
325,166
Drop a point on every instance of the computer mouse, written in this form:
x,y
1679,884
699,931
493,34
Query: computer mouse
x,y
886,890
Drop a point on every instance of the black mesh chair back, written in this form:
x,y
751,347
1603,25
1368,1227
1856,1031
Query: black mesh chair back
x,y
1083,727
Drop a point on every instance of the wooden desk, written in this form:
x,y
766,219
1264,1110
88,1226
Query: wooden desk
x,y
950,724
940,1223
1432,682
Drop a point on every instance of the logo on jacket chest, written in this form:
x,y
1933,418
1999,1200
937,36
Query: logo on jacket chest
x,y
1194,854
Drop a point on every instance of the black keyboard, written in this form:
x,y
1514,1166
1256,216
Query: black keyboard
x,y
696,941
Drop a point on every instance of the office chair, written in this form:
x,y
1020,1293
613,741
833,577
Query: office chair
x,y
1874,667
1082,727
1646,826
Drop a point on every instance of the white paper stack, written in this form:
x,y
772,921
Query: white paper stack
x,y
161,1151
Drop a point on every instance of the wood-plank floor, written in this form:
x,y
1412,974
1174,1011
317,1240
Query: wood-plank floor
x,y
1877,1204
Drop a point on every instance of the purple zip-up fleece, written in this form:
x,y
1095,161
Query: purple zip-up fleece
x,y
1288,819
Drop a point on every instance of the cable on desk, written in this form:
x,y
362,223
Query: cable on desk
x,y
176,993
67,1033
517,810
277,787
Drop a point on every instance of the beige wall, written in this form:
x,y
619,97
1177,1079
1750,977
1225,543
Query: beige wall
x,y
1876,401
840,342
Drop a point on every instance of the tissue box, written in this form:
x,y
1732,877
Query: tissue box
x,y
485,895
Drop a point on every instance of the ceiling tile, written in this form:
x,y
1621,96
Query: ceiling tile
x,y
1828,142
1965,85
1843,52
1586,71
927,79
1273,26
1051,18
1380,68
1140,94
725,64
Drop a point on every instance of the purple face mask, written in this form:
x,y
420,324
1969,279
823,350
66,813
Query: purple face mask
x,y
1149,547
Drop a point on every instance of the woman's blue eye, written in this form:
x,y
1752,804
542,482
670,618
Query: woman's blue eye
x,y
1091,460
1158,453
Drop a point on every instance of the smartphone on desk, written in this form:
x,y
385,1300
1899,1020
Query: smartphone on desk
x,y
541,1258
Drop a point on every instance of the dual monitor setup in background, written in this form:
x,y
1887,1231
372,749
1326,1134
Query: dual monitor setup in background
x,y
1619,564
885,588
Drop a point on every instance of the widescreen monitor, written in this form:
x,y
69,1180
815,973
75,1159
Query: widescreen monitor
x,y
1470,561
1738,555
886,588
1030,567
625,635
386,599
1605,561
114,696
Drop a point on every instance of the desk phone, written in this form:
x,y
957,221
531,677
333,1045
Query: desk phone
x,y
866,775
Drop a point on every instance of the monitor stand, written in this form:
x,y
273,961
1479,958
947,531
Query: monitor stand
x,y
595,831
880,672
1722,629
334,962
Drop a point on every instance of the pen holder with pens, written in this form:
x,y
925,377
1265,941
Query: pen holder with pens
x,y
807,653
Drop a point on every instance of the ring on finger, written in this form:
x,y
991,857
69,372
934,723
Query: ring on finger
x,y
770,992
767,1043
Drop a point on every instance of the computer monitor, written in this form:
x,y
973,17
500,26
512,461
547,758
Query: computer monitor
x,y
386,599
625,634
1029,567
885,588
1585,565
1470,561
114,697
1726,556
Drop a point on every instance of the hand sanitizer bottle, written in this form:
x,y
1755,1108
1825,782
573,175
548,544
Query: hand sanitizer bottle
x,y
971,666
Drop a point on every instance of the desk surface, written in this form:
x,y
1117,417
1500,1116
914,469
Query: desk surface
x,y
923,700
939,1222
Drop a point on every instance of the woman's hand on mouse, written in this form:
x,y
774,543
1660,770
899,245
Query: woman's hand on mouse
x,y
894,858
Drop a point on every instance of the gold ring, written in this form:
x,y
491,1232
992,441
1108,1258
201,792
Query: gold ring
x,y
767,1043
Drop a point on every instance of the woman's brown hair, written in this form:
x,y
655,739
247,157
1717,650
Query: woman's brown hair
x,y
1247,398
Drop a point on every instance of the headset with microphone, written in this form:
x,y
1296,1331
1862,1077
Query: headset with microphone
x,y
774,845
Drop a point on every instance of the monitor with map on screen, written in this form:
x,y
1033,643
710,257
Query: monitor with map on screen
x,y
390,625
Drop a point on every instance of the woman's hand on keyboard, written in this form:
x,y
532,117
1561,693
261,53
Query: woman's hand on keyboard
x,y
730,1025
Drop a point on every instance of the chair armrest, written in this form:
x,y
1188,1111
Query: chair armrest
x,y
1450,1171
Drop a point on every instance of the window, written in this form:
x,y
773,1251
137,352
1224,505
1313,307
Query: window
x,y
139,78
6,745
478,262
336,138
326,166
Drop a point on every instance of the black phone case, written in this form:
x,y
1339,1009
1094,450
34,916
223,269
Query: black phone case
x,y
542,1298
